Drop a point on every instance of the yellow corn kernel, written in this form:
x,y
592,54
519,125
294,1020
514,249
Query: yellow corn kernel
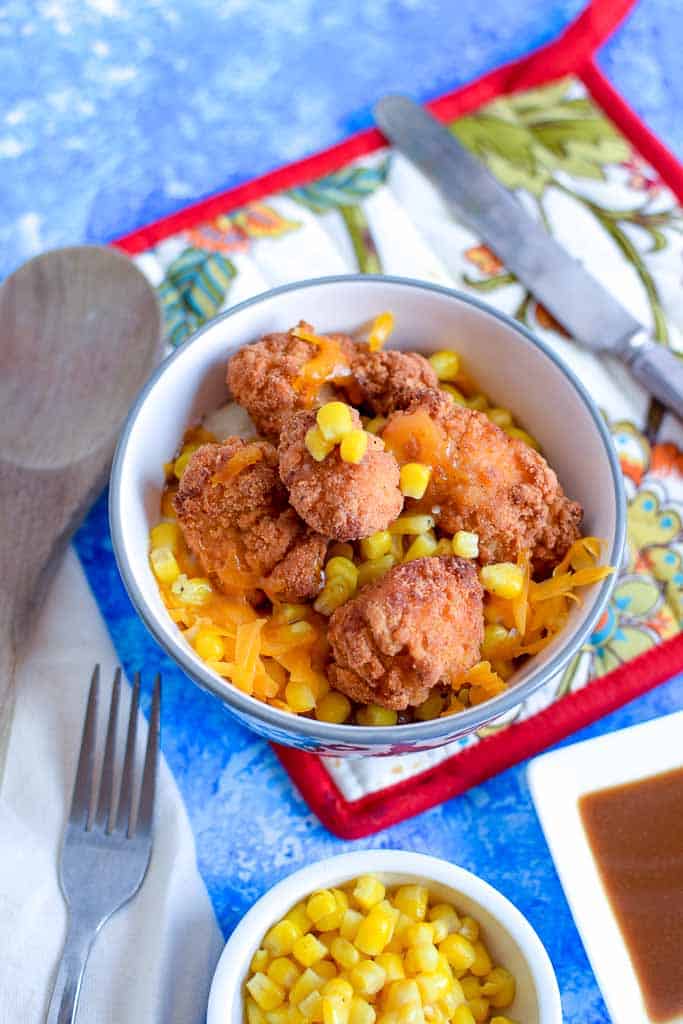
x,y
501,417
259,961
432,986
376,425
499,987
335,1011
361,1012
374,569
392,965
522,435
354,446
445,364
422,959
283,971
494,636
414,479
463,1015
450,1001
374,714
310,981
428,710
350,923
281,1016
440,927
335,593
299,918
504,579
334,421
164,564
165,535
342,568
279,941
193,591
330,922
339,988
459,952
465,544
375,930
481,964
402,993
469,928
408,524
368,891
308,950
423,546
208,644
479,1007
478,402
344,953
267,994
417,934
180,464
382,326
367,978
300,697
455,394
311,1007
320,903
471,987
255,1014
412,900
445,912
376,545
333,707
316,445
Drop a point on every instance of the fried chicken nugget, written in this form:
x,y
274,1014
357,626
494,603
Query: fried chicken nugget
x,y
386,381
235,517
342,500
265,377
420,624
495,486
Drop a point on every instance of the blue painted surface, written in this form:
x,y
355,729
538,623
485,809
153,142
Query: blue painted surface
x,y
115,112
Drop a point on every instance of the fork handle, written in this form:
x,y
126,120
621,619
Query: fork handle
x,y
67,987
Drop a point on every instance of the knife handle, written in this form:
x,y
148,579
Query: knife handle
x,y
658,369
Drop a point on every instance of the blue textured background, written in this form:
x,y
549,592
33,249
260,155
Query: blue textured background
x,y
116,112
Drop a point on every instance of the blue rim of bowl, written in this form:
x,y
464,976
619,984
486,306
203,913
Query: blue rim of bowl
x,y
347,735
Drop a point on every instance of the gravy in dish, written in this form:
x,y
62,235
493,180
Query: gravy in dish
x,y
635,832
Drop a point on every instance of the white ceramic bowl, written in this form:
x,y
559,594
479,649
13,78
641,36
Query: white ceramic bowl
x,y
510,938
516,369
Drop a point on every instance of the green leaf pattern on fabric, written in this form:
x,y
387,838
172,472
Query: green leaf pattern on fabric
x,y
194,289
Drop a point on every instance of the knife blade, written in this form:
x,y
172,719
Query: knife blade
x,y
561,283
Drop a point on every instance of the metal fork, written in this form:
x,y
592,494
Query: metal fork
x,y
105,854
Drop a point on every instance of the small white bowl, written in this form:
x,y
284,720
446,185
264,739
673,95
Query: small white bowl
x,y
511,365
510,938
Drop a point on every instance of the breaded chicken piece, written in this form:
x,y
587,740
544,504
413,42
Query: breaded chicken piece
x,y
236,519
420,624
264,377
339,499
497,487
386,381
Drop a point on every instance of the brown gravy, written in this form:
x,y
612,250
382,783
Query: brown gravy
x,y
635,832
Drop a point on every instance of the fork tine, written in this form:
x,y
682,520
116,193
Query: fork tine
x,y
127,777
83,786
145,818
105,800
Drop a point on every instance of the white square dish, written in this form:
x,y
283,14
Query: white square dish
x,y
557,781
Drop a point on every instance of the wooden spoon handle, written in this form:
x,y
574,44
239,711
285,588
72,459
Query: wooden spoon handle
x,y
7,669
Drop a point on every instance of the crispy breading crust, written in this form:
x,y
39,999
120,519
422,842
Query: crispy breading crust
x,y
336,498
260,376
386,381
247,523
420,624
502,489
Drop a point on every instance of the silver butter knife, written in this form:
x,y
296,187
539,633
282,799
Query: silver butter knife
x,y
580,303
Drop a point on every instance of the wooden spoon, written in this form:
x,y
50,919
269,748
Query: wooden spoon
x,y
80,330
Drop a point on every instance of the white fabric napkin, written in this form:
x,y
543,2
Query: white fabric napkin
x,y
153,961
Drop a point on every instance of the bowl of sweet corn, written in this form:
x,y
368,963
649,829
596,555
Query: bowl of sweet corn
x,y
264,668
384,937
